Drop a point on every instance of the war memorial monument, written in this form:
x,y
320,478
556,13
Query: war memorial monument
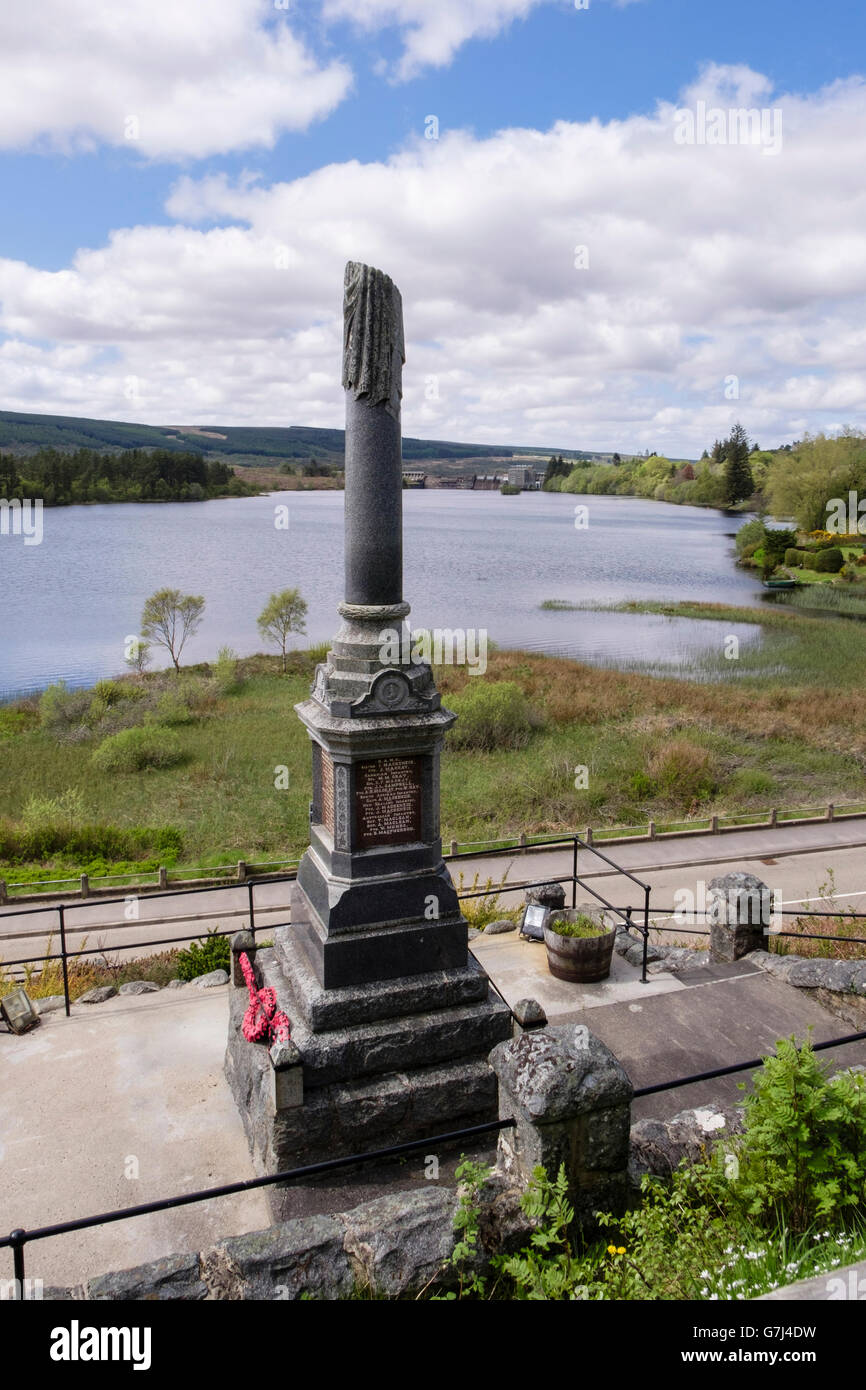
x,y
391,1018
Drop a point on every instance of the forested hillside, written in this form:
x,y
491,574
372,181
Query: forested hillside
x,y
136,475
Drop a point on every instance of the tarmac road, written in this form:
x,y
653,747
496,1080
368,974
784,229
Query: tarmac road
x,y
795,861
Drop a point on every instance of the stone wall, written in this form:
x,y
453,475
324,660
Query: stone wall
x,y
839,985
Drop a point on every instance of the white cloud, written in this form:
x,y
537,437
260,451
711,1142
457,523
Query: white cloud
x,y
433,30
170,78
704,263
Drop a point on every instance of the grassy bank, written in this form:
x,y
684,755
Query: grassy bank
x,y
784,725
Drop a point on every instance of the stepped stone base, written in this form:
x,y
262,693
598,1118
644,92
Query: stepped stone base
x,y
380,1064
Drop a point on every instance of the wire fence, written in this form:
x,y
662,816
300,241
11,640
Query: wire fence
x,y
634,918
647,830
64,931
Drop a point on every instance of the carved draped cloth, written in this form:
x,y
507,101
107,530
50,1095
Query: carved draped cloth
x,y
373,344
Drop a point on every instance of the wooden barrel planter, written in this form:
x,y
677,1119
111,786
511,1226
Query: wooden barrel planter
x,y
579,959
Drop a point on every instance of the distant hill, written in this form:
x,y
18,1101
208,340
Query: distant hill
x,y
244,445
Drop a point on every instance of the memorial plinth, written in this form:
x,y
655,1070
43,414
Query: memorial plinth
x,y
392,1019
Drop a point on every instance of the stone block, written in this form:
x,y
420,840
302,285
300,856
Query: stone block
x,y
546,895
529,1013
740,907
571,1099
98,995
398,1243
176,1277
212,980
325,1009
304,1256
243,943
659,1146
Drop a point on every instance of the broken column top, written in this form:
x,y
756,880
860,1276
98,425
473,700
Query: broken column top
x,y
373,342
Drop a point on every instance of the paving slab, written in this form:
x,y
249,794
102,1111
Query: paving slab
x,y
518,969
124,1102
721,1015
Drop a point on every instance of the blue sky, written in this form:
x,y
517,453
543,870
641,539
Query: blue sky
x,y
132,283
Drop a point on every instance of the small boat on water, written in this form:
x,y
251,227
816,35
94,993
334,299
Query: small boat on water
x,y
781,583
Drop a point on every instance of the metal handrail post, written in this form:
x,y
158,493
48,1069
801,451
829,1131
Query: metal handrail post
x,y
16,1240
250,886
61,912
574,874
646,898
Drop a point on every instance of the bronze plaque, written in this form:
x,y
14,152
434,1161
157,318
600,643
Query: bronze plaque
x,y
388,802
327,768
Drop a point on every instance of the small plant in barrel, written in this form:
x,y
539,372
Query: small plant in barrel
x,y
579,945
582,927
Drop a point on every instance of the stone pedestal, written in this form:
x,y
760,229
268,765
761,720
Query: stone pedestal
x,y
740,907
571,1100
376,1064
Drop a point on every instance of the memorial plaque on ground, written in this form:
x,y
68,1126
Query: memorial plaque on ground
x,y
387,802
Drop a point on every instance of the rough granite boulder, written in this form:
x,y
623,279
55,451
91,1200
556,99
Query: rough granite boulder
x,y
504,924
177,1277
779,966
529,1013
839,985
397,1244
304,1256
211,980
842,975
546,895
49,1003
98,995
139,987
658,1146
634,954
679,958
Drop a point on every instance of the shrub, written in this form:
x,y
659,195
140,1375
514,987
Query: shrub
x,y
483,906
810,559
682,771
509,490
830,561
749,536
65,809
640,786
750,782
226,671
62,710
801,1156
133,750
794,558
172,709
113,692
491,715
40,839
211,952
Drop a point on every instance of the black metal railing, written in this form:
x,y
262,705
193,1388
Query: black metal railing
x,y
19,1238
735,1067
642,927
64,930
